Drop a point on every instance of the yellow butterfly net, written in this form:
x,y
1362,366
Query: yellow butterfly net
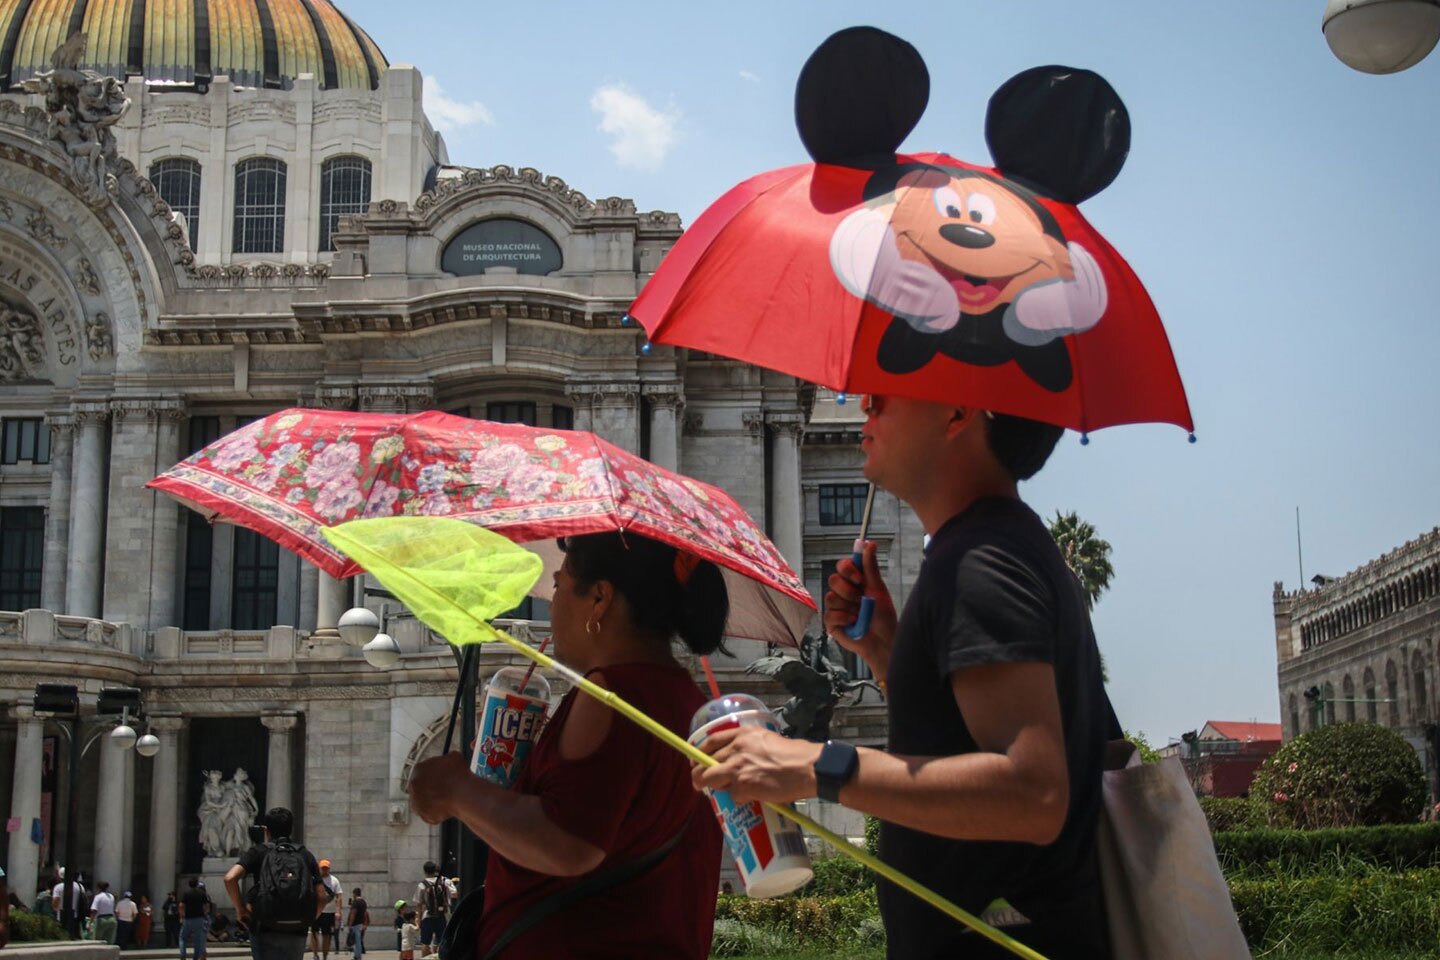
x,y
454,576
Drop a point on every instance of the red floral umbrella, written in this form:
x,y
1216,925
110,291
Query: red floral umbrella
x,y
295,472
922,275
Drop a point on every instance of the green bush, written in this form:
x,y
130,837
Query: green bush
x,y
1354,905
735,939
1342,775
1247,853
1228,813
838,876
27,926
809,921
872,836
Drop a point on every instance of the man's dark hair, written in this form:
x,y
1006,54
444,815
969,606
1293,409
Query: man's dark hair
x,y
1022,446
103,885
280,821
431,868
357,892
194,882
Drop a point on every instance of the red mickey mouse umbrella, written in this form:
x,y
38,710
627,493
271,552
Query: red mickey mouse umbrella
x,y
922,275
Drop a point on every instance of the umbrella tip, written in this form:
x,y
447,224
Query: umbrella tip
x,y
1191,438
626,319
647,348
1084,439
841,397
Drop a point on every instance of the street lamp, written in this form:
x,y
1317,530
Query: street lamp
x,y
358,626
1381,36
61,701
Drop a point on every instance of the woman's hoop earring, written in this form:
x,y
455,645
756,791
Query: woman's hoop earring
x,y
595,624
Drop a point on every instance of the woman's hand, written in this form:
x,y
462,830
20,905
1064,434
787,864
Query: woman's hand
x,y
433,785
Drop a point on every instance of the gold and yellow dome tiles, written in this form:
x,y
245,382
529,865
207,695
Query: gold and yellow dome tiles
x,y
257,43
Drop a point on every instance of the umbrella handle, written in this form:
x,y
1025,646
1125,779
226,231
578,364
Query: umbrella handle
x,y
861,626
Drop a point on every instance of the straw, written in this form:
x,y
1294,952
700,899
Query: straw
x,y
710,678
525,680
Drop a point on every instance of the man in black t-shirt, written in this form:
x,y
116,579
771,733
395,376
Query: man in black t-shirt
x,y
990,786
194,920
273,941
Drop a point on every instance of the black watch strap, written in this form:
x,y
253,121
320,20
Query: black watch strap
x,y
835,768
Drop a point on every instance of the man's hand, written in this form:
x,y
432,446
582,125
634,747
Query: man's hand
x,y
842,607
758,764
432,786
243,914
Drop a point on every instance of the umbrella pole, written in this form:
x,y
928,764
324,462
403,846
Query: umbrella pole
x,y
467,671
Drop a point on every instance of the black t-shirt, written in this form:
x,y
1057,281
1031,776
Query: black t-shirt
x,y
194,900
994,589
358,909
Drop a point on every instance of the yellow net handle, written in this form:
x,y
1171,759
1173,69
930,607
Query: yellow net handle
x,y
617,703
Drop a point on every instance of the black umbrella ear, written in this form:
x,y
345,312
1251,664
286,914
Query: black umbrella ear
x,y
1062,130
860,93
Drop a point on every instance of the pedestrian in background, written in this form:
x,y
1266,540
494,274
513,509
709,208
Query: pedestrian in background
x,y
144,922
358,922
102,914
194,924
170,911
125,913
409,935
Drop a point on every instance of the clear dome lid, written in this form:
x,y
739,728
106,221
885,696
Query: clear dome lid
x,y
724,706
510,678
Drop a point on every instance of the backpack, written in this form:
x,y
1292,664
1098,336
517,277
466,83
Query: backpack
x,y
284,893
437,898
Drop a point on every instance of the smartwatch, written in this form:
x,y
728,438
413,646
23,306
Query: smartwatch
x,y
836,767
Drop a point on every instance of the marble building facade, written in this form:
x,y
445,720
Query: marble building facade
x,y
259,245
1366,641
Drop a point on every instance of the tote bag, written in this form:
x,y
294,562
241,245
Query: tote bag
x,y
1165,897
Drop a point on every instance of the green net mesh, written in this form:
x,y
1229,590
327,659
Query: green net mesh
x,y
452,575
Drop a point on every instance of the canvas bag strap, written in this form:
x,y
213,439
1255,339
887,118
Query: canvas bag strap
x,y
589,886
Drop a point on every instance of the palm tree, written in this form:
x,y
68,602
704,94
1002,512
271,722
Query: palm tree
x,y
1087,556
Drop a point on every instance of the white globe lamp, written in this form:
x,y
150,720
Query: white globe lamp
x,y
1381,36
358,626
383,652
123,737
148,745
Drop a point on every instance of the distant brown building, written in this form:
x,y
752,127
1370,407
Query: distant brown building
x,y
1222,758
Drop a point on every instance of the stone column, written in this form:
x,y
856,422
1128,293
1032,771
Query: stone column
x,y
170,519
613,412
127,828
164,805
332,599
309,595
787,526
277,770
24,861
110,813
87,512
57,517
666,402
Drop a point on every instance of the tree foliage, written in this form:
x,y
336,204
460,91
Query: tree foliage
x,y
1087,556
1341,775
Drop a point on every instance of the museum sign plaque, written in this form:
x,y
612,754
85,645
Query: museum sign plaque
x,y
501,242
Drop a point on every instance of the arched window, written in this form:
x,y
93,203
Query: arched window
x,y
344,189
1417,673
1329,702
259,206
1370,704
1347,693
1392,691
177,180
1294,716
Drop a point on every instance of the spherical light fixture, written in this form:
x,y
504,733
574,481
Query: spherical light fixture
x,y
1381,36
122,737
148,745
358,626
383,652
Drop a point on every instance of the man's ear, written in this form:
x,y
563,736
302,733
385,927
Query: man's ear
x,y
962,419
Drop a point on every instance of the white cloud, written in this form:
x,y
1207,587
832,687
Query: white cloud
x,y
641,136
747,75
448,114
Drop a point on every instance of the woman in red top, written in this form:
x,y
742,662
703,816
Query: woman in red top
x,y
598,791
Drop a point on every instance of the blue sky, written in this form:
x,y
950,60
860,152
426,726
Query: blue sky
x,y
1278,206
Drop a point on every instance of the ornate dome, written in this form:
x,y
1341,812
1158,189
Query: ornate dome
x,y
257,43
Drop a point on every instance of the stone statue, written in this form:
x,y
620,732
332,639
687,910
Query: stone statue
x,y
83,106
226,812
22,354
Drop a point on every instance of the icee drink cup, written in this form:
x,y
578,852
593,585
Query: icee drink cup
x,y
769,850
510,722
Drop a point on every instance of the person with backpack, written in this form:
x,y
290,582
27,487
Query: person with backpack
x,y
433,896
286,893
